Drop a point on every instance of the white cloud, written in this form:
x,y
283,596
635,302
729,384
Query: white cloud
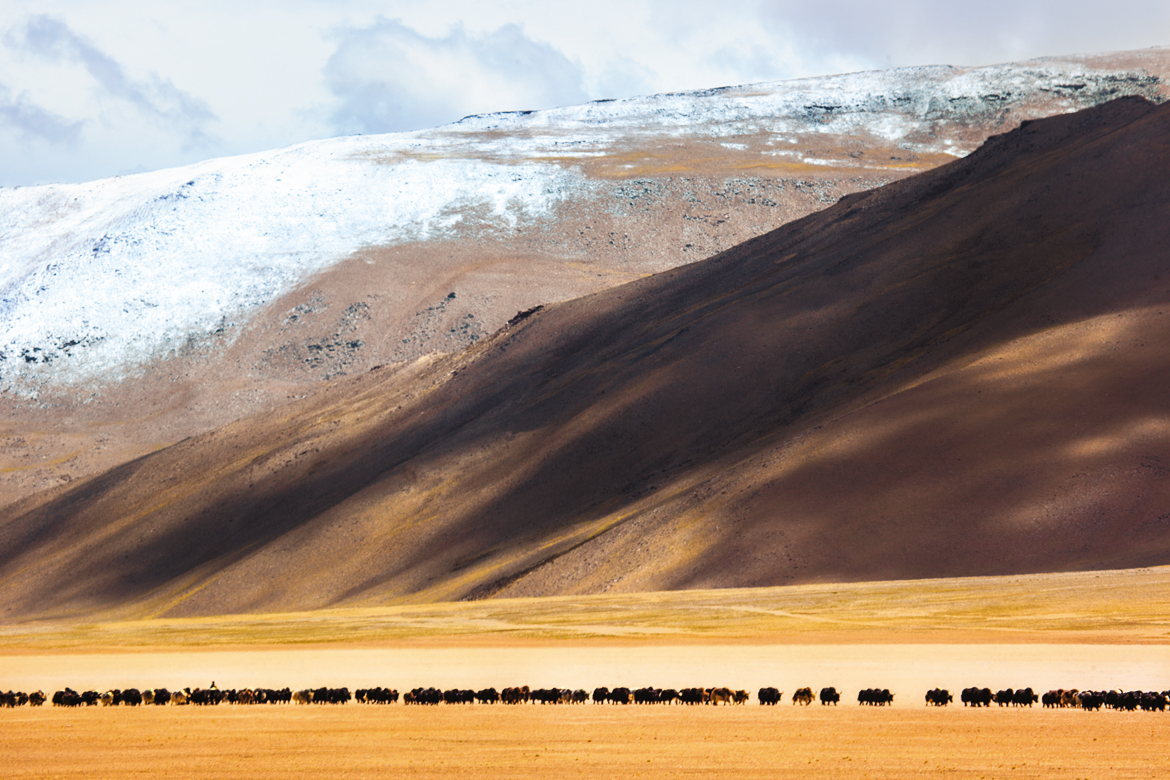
x,y
918,32
388,77
36,123
156,97
93,89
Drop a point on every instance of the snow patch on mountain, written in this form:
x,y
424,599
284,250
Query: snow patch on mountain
x,y
891,103
98,278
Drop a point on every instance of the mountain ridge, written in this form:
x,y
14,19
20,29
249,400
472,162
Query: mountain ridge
x,y
824,402
142,310
461,174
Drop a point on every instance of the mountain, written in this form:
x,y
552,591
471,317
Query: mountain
x,y
959,373
142,310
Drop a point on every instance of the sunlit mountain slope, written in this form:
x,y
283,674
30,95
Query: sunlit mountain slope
x,y
958,373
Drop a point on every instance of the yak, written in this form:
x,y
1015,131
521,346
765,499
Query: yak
x,y
976,697
769,696
875,697
939,697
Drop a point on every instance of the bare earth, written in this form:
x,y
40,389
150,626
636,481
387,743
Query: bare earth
x,y
655,200
600,741
1098,630
355,742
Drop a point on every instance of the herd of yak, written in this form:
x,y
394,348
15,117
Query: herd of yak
x,y
971,697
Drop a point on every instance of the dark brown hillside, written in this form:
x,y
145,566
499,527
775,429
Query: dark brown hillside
x,y
959,373
642,195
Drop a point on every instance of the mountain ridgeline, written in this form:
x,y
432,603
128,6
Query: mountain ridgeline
x,y
141,310
959,373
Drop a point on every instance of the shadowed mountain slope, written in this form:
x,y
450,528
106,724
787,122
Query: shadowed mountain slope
x,y
959,373
141,310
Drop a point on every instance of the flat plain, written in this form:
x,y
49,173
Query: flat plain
x,y
1085,630
596,741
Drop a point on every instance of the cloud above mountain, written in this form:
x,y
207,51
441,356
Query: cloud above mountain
x,y
155,98
910,32
35,123
90,90
388,77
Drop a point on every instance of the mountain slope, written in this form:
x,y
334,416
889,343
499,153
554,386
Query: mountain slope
x,y
958,373
141,310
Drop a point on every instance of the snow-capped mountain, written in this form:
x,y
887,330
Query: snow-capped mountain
x,y
959,374
100,278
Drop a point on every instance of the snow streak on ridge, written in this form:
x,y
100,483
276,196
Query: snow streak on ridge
x,y
95,278
98,278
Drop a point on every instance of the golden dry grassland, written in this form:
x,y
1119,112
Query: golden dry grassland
x,y
1129,606
588,741
1105,629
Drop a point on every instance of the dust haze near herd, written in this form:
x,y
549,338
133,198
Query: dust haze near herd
x,y
320,377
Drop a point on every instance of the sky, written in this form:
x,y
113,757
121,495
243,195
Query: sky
x,y
98,88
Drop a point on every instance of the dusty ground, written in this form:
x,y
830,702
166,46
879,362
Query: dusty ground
x,y
599,741
358,742
1084,630
906,670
